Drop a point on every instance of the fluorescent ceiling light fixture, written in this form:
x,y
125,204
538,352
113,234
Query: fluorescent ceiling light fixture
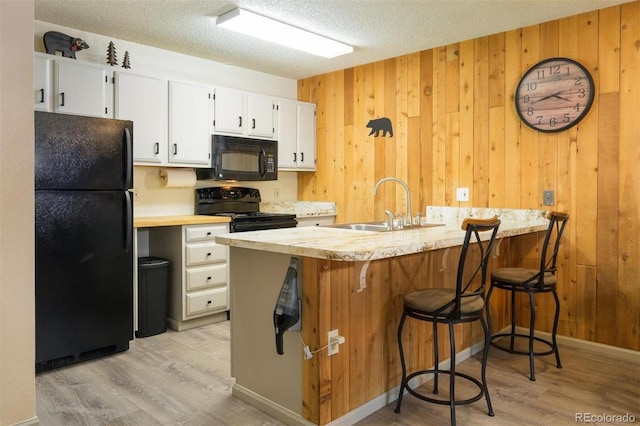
x,y
264,28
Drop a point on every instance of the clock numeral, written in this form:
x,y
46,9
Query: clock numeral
x,y
530,111
531,86
540,117
582,93
567,117
577,107
578,80
526,99
552,122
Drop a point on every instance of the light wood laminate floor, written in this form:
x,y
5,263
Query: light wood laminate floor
x,y
184,379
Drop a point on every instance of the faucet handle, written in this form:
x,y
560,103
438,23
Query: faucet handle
x,y
389,218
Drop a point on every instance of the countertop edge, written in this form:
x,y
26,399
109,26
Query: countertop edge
x,y
155,221
374,245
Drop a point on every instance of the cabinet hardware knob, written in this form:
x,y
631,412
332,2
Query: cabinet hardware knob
x,y
175,149
157,148
208,302
295,157
239,121
208,254
41,96
254,123
208,278
302,157
62,99
208,233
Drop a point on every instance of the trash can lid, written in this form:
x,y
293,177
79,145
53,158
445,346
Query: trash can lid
x,y
152,262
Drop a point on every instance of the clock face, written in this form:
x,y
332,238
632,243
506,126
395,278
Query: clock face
x,y
554,95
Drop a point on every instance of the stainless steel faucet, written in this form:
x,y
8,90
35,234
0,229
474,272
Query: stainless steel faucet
x,y
407,220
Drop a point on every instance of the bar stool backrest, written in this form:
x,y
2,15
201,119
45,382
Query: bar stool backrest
x,y
473,269
549,254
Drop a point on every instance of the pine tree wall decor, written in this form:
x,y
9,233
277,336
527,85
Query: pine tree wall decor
x,y
111,54
125,61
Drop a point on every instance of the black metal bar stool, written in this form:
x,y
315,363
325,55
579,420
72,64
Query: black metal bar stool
x,y
452,306
532,282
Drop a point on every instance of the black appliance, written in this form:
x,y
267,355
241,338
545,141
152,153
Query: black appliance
x,y
235,158
242,206
84,235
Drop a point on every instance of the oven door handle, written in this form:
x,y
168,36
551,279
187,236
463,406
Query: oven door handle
x,y
262,163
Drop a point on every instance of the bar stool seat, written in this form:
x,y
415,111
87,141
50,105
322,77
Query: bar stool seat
x,y
462,304
532,282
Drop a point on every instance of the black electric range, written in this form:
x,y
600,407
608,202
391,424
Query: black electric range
x,y
242,206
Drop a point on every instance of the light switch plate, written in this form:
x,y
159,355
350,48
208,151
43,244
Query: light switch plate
x,y
548,198
462,194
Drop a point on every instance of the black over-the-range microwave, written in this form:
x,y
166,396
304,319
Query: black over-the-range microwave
x,y
237,158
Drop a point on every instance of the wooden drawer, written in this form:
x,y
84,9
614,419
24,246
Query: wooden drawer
x,y
199,254
203,233
206,302
210,276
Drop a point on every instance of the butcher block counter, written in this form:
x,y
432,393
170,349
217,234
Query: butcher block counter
x,y
154,221
354,282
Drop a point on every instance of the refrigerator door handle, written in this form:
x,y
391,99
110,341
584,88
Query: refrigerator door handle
x,y
128,161
128,229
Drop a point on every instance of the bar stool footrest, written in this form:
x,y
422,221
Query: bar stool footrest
x,y
441,401
524,336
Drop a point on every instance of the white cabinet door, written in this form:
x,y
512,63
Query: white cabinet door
x,y
80,88
306,135
144,100
260,113
41,83
228,111
189,130
287,138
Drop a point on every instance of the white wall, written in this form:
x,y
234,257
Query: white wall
x,y
17,278
152,198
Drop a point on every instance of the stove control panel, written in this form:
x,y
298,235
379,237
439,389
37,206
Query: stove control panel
x,y
227,193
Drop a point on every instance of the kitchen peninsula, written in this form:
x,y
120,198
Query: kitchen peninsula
x,y
353,282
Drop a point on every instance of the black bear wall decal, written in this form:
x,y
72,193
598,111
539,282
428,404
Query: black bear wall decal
x,y
380,124
55,41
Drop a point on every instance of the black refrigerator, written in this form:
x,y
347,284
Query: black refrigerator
x,y
84,238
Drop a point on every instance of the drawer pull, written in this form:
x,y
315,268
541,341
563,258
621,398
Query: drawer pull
x,y
208,254
208,302
208,233
208,278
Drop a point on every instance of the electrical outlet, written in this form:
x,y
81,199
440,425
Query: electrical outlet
x,y
332,338
462,194
548,198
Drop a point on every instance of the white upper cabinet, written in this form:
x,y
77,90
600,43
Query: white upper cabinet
x,y
81,88
228,111
189,128
144,100
41,83
296,135
243,114
260,113
306,135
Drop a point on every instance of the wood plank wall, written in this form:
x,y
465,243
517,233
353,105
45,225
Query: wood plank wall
x,y
455,126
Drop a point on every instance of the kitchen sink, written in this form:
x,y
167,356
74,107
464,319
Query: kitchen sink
x,y
378,226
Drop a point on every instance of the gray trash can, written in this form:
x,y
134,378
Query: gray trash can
x,y
153,289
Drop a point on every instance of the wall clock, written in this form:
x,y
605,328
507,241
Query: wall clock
x,y
554,95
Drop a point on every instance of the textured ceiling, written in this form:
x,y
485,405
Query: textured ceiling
x,y
378,29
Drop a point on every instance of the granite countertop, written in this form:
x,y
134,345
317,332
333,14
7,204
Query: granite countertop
x,y
153,221
349,245
300,208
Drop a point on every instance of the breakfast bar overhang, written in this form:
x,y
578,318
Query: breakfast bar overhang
x,y
353,282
